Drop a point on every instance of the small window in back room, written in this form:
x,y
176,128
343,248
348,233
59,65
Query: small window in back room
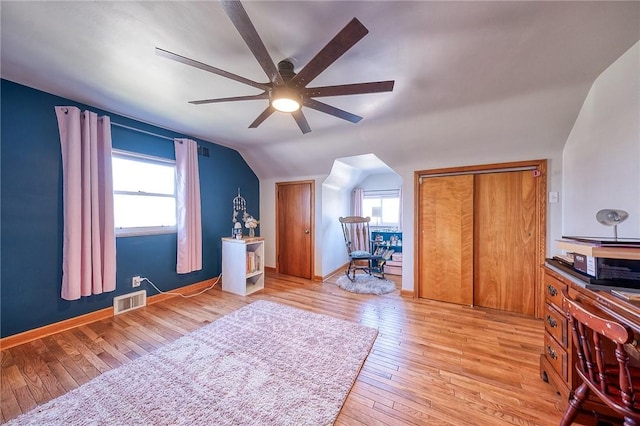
x,y
144,191
383,206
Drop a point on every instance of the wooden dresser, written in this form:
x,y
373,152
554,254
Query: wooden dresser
x,y
558,359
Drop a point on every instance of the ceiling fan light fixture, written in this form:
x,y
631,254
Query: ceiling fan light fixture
x,y
284,99
287,90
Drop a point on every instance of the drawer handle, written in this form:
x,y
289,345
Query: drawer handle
x,y
551,352
552,290
551,321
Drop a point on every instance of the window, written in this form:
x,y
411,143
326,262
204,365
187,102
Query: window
x,y
144,192
383,206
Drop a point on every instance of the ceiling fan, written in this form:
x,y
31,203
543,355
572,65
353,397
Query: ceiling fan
x,y
286,90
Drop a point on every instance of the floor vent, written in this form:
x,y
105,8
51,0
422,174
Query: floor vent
x,y
128,302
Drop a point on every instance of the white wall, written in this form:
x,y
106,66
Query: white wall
x,y
333,252
601,159
268,219
330,203
332,200
381,181
408,247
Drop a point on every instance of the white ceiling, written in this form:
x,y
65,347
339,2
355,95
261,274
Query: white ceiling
x,y
471,77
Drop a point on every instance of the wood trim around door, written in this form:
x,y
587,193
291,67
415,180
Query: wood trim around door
x,y
311,253
541,213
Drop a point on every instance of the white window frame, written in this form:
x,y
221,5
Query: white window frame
x,y
379,194
144,230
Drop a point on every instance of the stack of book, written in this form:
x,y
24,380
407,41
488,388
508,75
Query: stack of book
x,y
393,266
386,253
253,262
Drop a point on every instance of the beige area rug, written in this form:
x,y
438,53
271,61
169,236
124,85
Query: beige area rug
x,y
264,364
366,284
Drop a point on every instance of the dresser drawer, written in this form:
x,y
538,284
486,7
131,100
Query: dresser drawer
x,y
556,355
555,323
553,290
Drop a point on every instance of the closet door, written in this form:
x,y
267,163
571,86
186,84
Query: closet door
x,y
505,241
445,246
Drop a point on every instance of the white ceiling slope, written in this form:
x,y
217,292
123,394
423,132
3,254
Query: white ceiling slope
x,y
347,172
472,78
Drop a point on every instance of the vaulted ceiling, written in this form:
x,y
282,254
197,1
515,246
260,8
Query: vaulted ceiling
x,y
471,78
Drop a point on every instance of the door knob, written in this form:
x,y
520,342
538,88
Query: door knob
x,y
306,231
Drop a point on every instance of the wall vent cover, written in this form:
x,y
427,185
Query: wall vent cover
x,y
128,302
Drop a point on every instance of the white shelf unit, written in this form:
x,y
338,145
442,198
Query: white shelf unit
x,y
243,265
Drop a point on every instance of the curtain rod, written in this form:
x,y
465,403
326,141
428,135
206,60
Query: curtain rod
x,y
66,111
141,131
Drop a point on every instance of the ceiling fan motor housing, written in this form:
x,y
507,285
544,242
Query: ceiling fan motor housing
x,y
285,68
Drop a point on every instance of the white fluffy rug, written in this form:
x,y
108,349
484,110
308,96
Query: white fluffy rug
x,y
366,284
264,364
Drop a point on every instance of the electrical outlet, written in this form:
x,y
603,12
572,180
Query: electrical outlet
x,y
135,281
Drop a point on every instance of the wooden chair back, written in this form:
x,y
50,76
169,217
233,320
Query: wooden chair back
x,y
610,378
356,233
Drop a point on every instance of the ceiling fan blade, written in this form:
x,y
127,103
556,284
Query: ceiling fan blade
x,y
343,41
301,120
241,21
265,114
264,95
328,109
214,70
349,89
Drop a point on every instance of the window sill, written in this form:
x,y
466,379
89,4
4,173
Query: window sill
x,y
136,232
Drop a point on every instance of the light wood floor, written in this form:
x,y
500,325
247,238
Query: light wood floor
x,y
432,363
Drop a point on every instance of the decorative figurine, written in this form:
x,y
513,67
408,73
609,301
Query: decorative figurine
x,y
240,205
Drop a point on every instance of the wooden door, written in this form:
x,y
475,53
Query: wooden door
x,y
445,246
505,241
294,228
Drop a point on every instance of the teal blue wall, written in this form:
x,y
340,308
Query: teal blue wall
x,y
31,212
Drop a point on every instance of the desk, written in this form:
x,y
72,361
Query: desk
x,y
558,359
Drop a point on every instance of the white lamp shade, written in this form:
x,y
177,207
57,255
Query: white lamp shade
x,y
285,99
285,105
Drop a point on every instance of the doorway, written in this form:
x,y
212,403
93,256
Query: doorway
x,y
295,228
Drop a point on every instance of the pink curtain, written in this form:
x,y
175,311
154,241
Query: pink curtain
x,y
359,241
89,244
358,195
188,206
